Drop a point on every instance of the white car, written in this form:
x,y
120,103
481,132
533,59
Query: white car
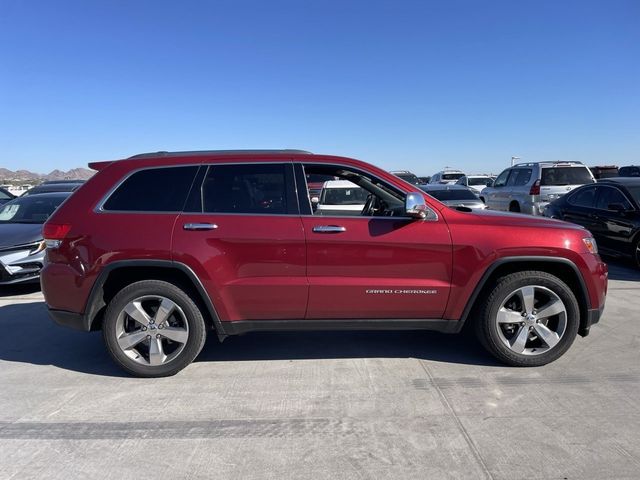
x,y
448,175
476,182
341,197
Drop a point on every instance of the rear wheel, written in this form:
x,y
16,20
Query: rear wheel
x,y
153,329
529,319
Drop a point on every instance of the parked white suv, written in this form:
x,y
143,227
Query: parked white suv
x,y
448,175
341,197
476,182
529,187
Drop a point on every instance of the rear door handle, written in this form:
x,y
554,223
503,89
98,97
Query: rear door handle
x,y
200,226
329,229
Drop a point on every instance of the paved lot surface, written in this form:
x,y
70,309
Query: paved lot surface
x,y
321,405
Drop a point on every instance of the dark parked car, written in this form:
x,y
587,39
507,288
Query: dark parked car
x,y
54,187
630,171
407,176
455,196
604,171
610,210
424,180
21,243
5,196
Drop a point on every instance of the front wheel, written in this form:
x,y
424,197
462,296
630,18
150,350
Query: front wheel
x,y
153,329
529,319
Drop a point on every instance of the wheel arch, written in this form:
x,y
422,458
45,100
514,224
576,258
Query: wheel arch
x,y
119,274
562,268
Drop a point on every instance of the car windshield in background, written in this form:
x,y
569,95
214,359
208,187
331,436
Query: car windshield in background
x,y
452,176
480,181
32,209
344,196
446,195
408,178
565,176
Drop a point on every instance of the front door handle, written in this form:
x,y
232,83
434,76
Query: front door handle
x,y
329,229
200,226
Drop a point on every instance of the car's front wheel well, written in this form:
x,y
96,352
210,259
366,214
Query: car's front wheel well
x,y
564,271
118,278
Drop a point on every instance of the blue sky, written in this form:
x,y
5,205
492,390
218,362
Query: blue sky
x,y
415,85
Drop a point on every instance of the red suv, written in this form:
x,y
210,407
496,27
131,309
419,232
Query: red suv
x,y
159,249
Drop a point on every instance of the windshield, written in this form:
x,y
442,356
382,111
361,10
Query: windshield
x,y
446,195
565,176
32,209
344,196
408,177
452,176
480,181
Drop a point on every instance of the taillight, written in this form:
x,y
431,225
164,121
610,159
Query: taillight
x,y
54,233
535,188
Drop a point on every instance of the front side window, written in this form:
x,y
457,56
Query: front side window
x,y
248,188
611,196
153,190
501,181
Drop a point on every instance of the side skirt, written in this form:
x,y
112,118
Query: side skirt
x,y
244,326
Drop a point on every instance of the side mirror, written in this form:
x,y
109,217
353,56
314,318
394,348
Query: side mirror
x,y
415,206
315,199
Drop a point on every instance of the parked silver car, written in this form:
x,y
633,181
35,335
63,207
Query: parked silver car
x,y
529,187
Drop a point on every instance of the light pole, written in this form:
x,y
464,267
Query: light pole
x,y
513,160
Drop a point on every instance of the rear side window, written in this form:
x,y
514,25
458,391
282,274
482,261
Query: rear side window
x,y
585,197
565,176
519,177
153,190
250,188
608,196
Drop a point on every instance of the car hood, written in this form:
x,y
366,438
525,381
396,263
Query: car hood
x,y
491,217
19,233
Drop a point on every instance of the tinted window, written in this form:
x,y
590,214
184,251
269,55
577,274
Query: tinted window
x,y
153,190
501,181
610,195
254,188
634,190
444,195
585,197
481,181
408,177
565,176
451,176
519,177
629,172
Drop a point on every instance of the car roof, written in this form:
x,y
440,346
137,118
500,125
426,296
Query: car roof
x,y
630,181
552,163
339,184
197,153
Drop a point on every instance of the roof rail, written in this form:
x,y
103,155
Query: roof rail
x,y
216,152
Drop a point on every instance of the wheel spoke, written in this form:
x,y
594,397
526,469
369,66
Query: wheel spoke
x,y
506,315
520,340
135,311
179,335
528,295
554,307
165,310
130,340
549,337
156,351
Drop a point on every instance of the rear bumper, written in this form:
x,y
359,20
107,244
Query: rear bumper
x,y
73,320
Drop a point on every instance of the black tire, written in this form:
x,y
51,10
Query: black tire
x,y
189,314
514,207
487,329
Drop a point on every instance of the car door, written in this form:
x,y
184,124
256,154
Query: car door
x,y
376,267
496,197
613,228
242,236
579,207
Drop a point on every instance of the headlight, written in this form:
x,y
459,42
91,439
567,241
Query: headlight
x,y
591,244
37,248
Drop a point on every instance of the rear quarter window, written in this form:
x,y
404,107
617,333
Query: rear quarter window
x,y
153,190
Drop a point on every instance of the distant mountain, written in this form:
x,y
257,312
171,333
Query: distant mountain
x,y
8,176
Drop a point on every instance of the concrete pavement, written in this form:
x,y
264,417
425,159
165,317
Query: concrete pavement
x,y
361,405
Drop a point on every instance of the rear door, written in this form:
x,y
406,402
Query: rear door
x,y
242,236
580,207
376,267
496,197
613,229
